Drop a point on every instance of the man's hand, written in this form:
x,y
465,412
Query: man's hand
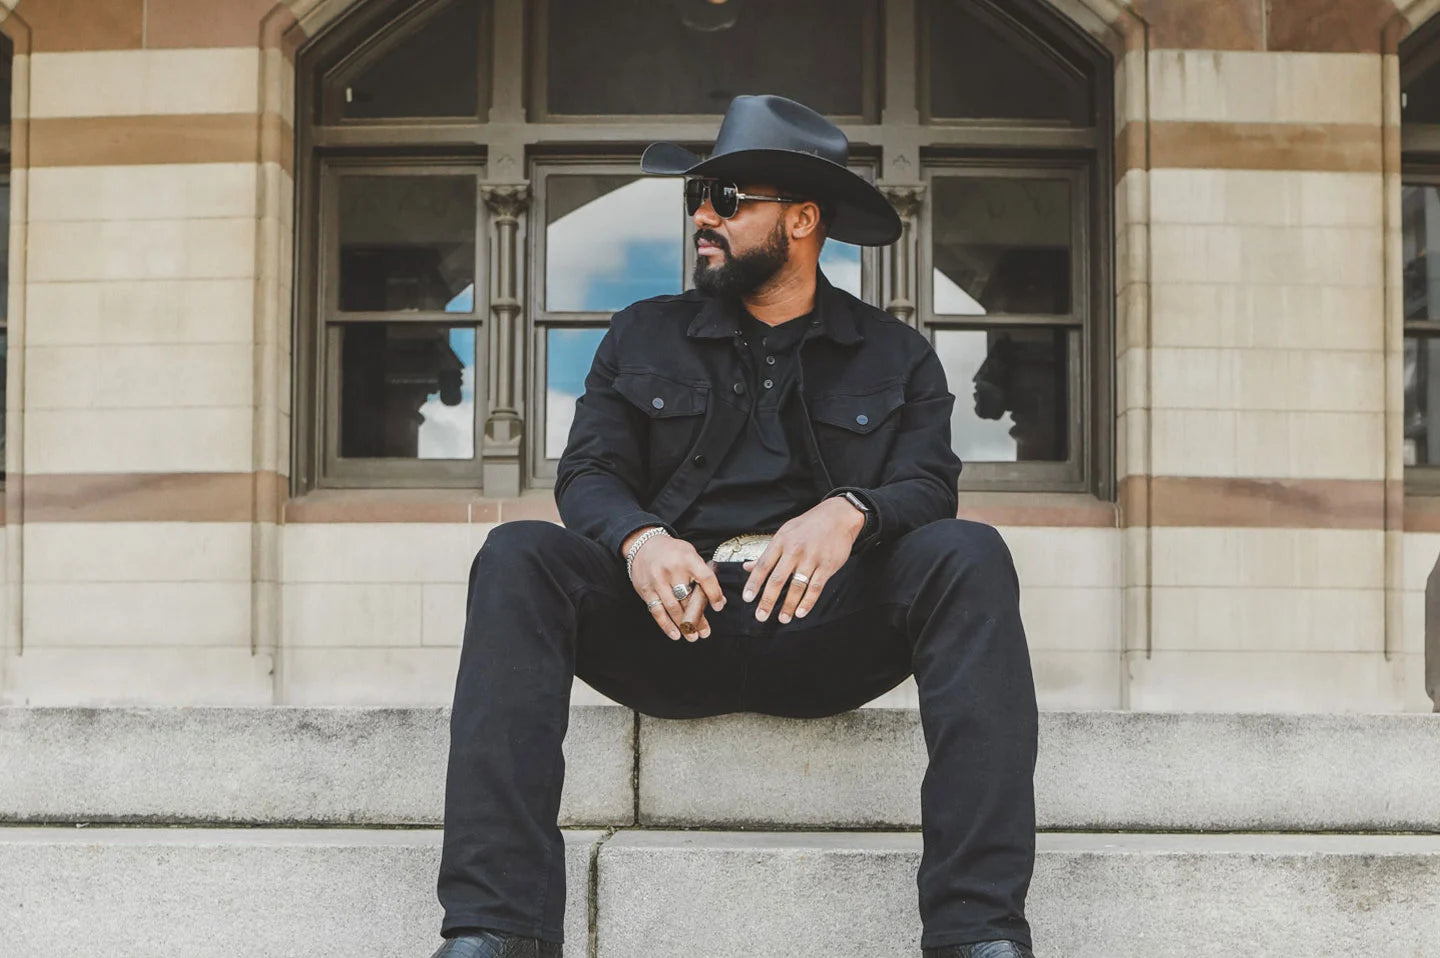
x,y
663,563
814,544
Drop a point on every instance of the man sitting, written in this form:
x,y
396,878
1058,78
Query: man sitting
x,y
799,439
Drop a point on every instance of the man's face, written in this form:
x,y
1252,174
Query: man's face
x,y
736,256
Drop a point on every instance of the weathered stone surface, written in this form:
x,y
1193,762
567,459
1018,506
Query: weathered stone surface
x,y
274,766
1096,770
777,895
236,893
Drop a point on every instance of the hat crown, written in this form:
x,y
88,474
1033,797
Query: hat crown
x,y
768,122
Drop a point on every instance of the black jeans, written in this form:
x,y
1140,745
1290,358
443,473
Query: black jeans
x,y
546,604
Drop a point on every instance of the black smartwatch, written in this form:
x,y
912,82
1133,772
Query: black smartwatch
x,y
865,510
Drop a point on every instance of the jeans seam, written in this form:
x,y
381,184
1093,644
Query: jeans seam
x,y
546,886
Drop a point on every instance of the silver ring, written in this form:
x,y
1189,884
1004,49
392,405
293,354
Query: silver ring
x,y
650,606
681,591
801,578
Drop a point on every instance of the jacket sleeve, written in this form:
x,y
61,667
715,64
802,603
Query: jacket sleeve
x,y
603,468
918,483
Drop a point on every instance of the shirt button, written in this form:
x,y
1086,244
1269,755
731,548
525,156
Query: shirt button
x,y
769,360
862,419
739,388
699,460
658,403
769,383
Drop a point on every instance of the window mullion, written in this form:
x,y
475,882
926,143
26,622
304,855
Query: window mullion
x,y
902,89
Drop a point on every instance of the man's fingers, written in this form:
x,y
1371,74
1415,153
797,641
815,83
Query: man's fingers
x,y
661,616
675,610
694,615
767,561
812,593
794,594
776,582
705,581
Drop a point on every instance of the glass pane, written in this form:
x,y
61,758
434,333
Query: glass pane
x,y
1422,401
1420,100
840,262
1420,223
568,354
1001,246
7,61
694,56
985,66
4,309
432,71
407,391
4,379
1010,392
407,242
611,240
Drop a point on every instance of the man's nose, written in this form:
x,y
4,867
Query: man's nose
x,y
706,217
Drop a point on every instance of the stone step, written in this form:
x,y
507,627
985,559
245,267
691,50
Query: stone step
x,y
1115,771
70,892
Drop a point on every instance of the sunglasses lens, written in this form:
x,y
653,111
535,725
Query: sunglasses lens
x,y
726,199
694,196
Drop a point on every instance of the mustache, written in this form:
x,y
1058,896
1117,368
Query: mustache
x,y
710,236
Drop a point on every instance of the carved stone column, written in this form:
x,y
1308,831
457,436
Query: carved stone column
x,y
907,200
501,449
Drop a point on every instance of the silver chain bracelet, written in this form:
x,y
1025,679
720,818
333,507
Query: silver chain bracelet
x,y
635,548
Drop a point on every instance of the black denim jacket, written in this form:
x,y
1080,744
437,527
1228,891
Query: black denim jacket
x,y
665,398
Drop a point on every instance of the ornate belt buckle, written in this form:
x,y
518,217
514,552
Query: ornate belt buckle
x,y
742,548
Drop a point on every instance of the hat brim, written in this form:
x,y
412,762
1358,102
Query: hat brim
x,y
862,214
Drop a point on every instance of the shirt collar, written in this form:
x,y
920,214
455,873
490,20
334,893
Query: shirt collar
x,y
832,317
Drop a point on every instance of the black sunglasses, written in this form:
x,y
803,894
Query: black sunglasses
x,y
724,197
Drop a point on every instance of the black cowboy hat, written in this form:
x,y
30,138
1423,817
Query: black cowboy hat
x,y
773,140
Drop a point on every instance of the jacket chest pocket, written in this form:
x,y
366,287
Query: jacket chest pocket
x,y
675,412
855,431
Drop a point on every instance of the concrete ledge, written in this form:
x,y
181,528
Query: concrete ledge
x,y
1116,771
283,766
775,895
67,892
1122,771
236,893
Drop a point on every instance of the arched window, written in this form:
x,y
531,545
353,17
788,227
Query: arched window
x,y
1419,224
472,212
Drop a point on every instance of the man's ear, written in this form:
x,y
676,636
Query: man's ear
x,y
804,220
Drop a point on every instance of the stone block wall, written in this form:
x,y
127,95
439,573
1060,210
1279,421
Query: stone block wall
x,y
1260,554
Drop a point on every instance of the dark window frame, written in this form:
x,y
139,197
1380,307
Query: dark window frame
x,y
344,472
512,142
1068,474
538,75
1419,166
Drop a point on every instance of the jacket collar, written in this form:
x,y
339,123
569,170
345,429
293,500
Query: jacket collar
x,y
833,317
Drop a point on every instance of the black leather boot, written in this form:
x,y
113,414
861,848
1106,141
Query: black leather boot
x,y
982,949
487,944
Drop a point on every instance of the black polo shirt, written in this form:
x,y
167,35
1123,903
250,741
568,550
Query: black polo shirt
x,y
764,480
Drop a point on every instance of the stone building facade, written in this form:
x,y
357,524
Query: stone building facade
x,y
293,316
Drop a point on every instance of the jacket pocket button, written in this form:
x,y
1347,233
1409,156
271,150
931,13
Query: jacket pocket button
x,y
700,460
658,403
862,419
739,389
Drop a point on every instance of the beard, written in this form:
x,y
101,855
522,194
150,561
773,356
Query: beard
x,y
741,275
